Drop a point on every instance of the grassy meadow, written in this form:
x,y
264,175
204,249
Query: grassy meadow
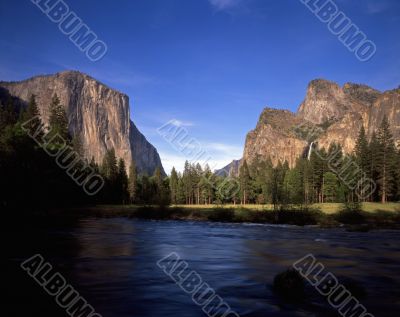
x,y
326,208
327,215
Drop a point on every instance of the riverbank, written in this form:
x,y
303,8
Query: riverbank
x,y
372,215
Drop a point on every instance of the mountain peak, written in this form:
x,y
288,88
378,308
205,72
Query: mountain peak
x,y
329,113
325,100
321,83
99,115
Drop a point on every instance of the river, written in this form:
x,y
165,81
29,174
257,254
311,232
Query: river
x,y
113,264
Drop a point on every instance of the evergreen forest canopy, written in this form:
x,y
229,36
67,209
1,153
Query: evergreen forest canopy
x,y
32,179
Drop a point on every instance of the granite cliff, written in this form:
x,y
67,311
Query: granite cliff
x,y
335,113
99,115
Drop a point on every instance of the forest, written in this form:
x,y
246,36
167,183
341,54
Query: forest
x,y
32,179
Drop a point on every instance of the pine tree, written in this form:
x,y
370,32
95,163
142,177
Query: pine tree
x,y
361,152
293,184
132,183
197,176
109,166
122,182
304,167
206,185
181,197
266,175
173,185
258,171
8,114
31,119
361,149
187,179
58,120
386,160
330,187
145,189
244,179
373,159
158,181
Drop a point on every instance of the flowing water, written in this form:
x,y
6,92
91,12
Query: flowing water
x,y
112,263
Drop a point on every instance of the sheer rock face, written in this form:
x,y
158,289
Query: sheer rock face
x,y
274,138
324,101
337,113
99,115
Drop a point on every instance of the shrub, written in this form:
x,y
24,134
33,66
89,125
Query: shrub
x,y
222,214
351,213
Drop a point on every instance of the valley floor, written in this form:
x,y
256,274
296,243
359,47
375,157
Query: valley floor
x,y
327,208
328,215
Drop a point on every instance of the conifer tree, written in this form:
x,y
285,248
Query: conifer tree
x,y
160,194
145,189
132,183
373,159
31,118
109,166
244,179
173,185
361,150
386,160
331,187
8,114
122,182
187,179
197,176
58,120
206,185
293,184
181,198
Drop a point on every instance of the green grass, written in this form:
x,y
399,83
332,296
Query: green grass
x,y
326,208
373,215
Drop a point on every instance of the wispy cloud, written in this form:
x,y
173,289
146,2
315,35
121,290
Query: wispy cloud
x,y
231,150
179,123
374,7
221,5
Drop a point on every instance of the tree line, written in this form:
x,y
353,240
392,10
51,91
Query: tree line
x,y
30,177
371,173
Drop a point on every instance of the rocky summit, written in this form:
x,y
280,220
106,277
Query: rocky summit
x,y
97,114
328,114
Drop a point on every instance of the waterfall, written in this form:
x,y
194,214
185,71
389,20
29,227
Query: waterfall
x,y
310,150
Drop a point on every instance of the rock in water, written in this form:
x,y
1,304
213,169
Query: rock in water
x,y
289,285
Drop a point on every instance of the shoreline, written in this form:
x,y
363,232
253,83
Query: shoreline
x,y
361,221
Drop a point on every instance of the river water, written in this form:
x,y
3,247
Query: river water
x,y
113,264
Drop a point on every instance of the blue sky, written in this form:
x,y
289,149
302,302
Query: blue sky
x,y
213,65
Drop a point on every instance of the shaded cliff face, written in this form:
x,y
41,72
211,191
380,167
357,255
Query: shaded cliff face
x,y
99,115
337,113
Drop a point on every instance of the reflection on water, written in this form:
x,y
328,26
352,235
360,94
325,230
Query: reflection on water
x,y
112,262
